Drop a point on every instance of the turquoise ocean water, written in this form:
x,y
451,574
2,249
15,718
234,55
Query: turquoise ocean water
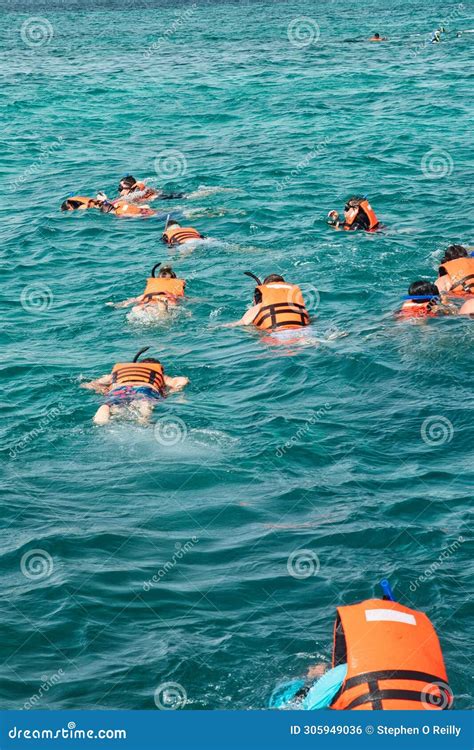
x,y
289,477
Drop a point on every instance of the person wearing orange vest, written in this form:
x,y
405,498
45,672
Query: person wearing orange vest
x,y
162,290
278,306
137,191
175,234
385,657
424,301
79,203
358,214
122,209
137,384
456,272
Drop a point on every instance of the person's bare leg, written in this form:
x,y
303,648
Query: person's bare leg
x,y
145,410
102,415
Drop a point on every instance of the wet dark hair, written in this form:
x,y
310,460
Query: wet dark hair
x,y
423,289
127,182
274,277
377,35
173,223
71,203
453,252
166,273
151,359
353,202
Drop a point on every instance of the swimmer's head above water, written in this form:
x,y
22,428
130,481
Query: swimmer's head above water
x,y
127,185
423,291
453,252
79,203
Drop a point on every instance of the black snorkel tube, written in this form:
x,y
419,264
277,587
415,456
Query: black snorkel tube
x,y
138,354
154,269
252,276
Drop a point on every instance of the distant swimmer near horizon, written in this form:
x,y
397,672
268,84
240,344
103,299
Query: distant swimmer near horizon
x,y
358,214
277,306
377,38
138,384
456,272
160,291
175,234
385,656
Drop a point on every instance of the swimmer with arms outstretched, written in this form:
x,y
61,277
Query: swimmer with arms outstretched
x,y
161,291
139,383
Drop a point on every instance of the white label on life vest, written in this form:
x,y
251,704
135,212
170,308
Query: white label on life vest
x,y
388,615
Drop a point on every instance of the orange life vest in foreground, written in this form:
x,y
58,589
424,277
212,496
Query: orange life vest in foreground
x,y
393,657
156,287
282,307
411,309
139,373
461,275
177,235
369,212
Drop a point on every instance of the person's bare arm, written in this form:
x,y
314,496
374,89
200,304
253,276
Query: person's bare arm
x,y
126,302
100,385
246,319
443,283
175,384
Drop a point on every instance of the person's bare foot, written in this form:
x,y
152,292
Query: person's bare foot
x,y
102,415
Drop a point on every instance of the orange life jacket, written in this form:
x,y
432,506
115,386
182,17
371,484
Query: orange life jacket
x,y
393,657
282,307
411,309
369,212
177,235
156,287
461,275
139,373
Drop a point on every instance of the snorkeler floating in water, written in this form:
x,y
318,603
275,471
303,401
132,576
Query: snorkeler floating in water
x,y
424,301
79,203
456,272
385,657
125,210
138,384
175,234
160,291
377,38
358,214
277,306
137,191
